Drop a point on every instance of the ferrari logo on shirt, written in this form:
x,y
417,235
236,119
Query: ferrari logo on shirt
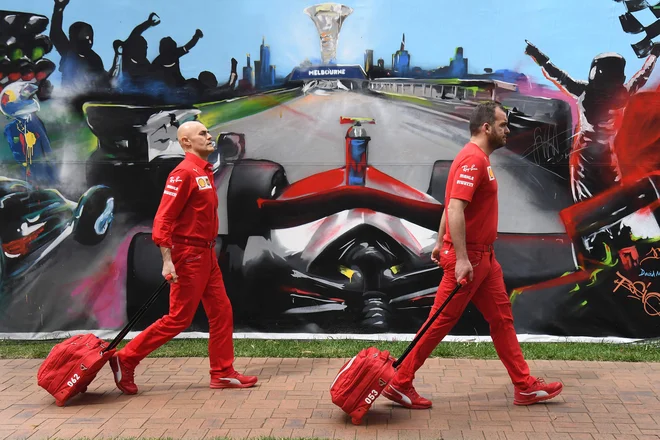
x,y
491,175
203,182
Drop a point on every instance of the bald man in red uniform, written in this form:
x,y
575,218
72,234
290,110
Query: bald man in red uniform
x,y
185,228
465,251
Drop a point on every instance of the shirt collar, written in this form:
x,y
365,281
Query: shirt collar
x,y
476,147
198,161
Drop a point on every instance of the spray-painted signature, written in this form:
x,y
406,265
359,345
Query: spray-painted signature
x,y
639,290
649,273
653,254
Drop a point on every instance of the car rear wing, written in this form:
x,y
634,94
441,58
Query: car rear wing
x,y
353,119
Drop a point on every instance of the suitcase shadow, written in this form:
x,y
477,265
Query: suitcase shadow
x,y
95,398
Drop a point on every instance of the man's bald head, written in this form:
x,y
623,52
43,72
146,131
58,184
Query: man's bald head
x,y
195,138
186,129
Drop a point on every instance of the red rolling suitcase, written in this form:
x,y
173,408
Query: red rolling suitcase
x,y
362,379
73,364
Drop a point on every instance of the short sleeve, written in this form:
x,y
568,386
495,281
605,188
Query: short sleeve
x,y
469,174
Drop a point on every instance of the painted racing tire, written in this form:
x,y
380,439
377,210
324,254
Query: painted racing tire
x,y
94,215
438,182
251,180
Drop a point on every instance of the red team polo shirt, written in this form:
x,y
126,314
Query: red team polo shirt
x,y
471,178
189,205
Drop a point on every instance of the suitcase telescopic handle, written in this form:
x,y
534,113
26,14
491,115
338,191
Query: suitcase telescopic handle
x,y
115,342
428,324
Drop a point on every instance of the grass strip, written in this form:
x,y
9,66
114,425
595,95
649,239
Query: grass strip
x,y
638,352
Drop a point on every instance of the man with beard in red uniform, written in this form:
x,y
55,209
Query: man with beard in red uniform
x,y
465,251
185,228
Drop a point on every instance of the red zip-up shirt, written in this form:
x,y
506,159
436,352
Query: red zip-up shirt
x,y
189,205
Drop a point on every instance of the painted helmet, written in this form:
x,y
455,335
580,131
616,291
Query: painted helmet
x,y
17,99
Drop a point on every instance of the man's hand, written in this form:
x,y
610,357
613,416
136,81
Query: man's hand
x,y
435,255
199,33
154,19
117,46
464,270
535,53
168,269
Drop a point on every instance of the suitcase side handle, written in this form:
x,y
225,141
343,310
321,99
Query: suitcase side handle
x,y
428,324
115,342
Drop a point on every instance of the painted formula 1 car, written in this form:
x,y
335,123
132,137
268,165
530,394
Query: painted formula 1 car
x,y
345,248
33,222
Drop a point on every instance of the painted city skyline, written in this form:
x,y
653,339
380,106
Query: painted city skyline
x,y
432,42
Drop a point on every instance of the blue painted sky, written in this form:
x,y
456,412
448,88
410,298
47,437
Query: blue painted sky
x,y
492,32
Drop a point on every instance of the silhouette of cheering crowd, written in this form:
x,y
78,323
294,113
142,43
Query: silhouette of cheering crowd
x,y
131,72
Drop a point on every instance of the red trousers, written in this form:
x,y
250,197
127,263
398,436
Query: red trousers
x,y
488,294
200,278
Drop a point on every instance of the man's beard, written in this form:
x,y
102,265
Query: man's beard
x,y
496,142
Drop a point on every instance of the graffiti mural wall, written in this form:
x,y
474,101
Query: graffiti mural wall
x,y
335,126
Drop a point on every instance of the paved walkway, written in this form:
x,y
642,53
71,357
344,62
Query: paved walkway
x,y
472,401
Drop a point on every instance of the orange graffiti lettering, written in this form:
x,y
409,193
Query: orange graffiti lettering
x,y
653,254
639,290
